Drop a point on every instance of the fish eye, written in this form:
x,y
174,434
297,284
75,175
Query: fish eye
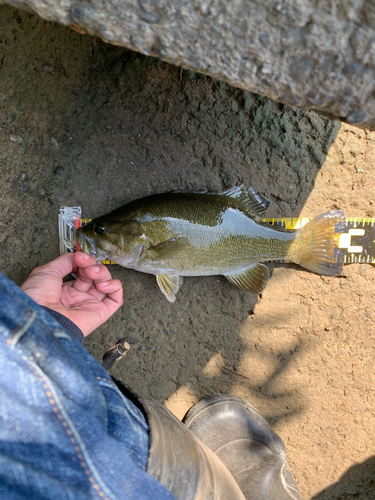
x,y
99,229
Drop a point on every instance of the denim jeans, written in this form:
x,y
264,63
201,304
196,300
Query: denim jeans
x,y
66,431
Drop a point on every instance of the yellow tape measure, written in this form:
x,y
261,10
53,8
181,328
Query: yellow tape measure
x,y
356,243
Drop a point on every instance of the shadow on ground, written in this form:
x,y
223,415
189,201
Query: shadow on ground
x,y
358,483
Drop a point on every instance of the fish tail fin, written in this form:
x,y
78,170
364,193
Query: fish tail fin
x,y
316,243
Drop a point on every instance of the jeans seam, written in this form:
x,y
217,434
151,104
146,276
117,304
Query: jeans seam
x,y
73,435
109,383
21,329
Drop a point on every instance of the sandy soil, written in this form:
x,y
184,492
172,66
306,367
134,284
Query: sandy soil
x,y
85,123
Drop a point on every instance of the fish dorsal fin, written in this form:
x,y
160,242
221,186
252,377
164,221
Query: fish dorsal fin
x,y
169,285
252,280
249,196
168,248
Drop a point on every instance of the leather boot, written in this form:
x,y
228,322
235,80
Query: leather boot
x,y
246,444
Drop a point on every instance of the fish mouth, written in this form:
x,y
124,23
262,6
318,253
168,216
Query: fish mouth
x,y
79,239
89,247
86,244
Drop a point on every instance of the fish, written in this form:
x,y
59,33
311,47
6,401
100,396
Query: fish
x,y
203,233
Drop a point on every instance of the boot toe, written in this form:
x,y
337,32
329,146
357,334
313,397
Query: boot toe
x,y
244,441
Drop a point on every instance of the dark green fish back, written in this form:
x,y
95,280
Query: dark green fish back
x,y
222,232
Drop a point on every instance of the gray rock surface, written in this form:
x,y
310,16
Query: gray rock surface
x,y
316,55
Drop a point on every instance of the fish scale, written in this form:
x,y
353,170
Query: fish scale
x,y
226,242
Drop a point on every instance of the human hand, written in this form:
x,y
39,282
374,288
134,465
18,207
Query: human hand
x,y
88,301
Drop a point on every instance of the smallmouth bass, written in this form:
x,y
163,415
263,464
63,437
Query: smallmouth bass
x,y
187,233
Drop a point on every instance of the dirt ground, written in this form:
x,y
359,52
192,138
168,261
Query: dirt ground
x,y
89,124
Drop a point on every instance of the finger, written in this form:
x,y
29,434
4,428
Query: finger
x,y
91,275
98,273
108,286
102,289
83,259
63,265
94,292
83,283
114,297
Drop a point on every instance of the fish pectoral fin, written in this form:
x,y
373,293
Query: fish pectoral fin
x,y
252,280
168,248
169,285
